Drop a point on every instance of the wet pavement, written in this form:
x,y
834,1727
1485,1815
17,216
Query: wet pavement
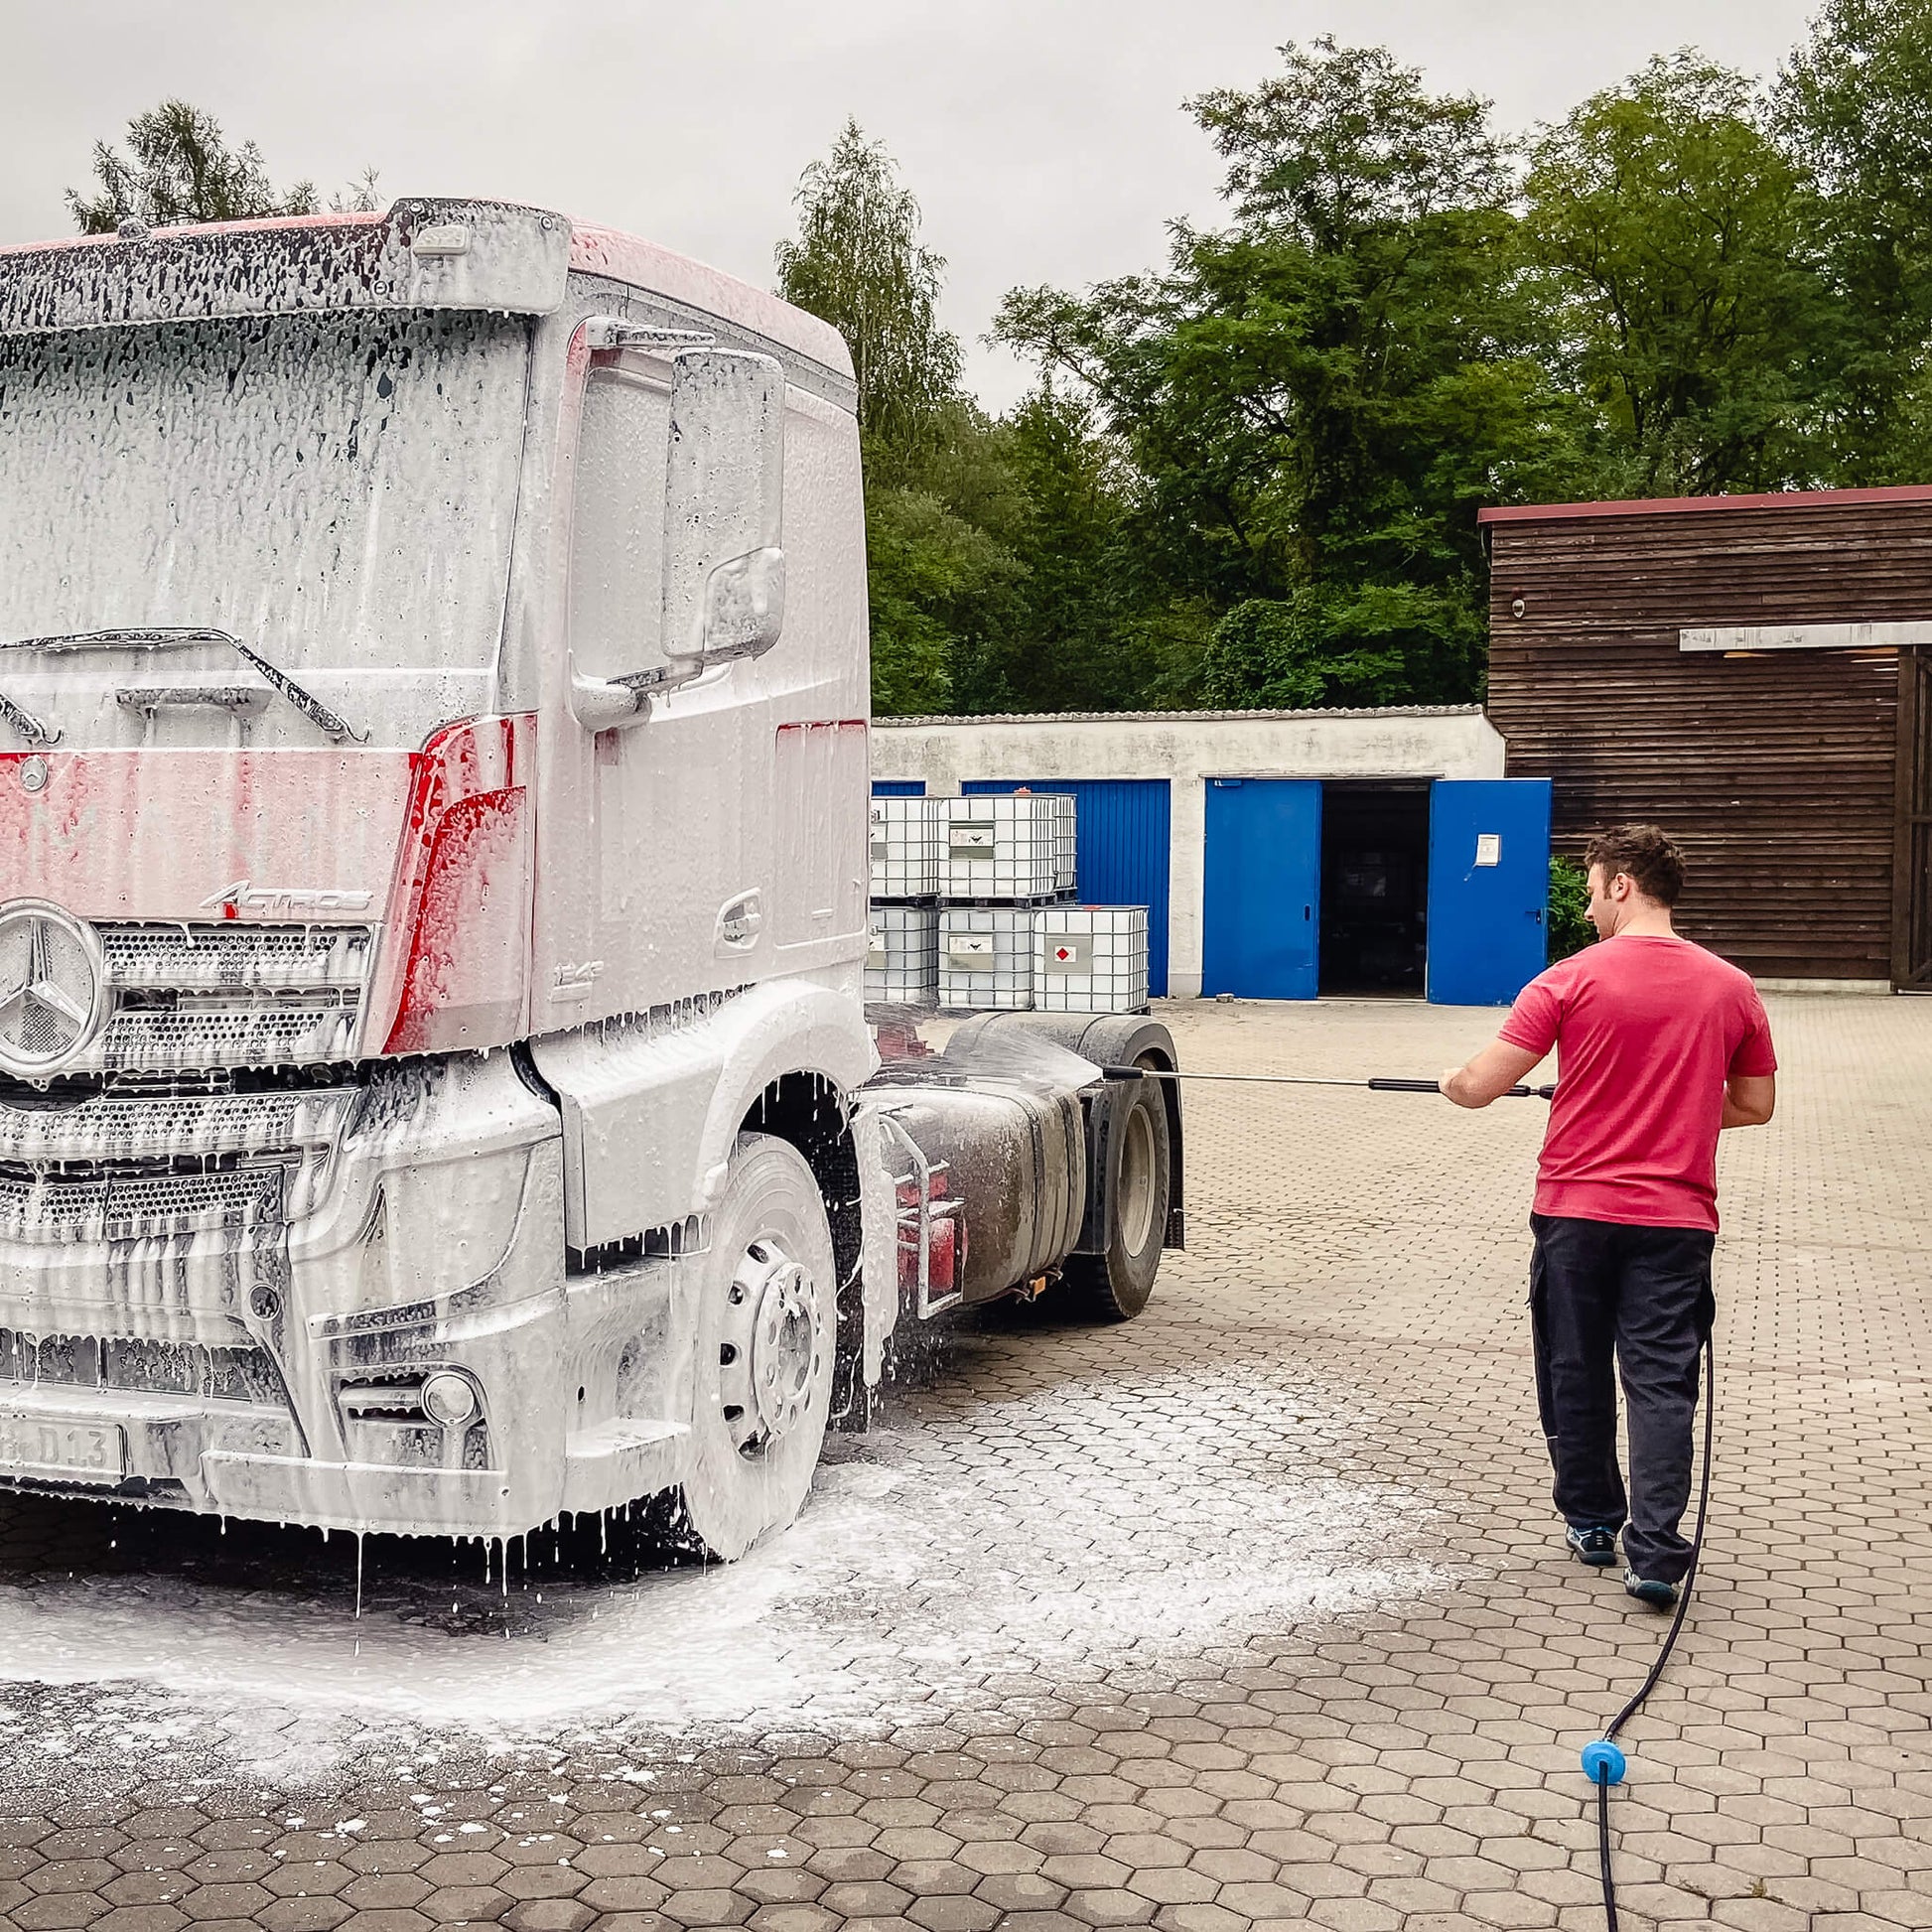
x,y
1249,1613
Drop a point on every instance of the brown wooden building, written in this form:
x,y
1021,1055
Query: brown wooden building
x,y
1753,673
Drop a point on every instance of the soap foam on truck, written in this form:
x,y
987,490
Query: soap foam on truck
x,y
435,1085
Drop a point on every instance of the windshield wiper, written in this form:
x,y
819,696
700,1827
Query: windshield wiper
x,y
25,723
167,637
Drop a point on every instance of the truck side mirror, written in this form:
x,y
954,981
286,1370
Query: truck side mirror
x,y
676,562
724,561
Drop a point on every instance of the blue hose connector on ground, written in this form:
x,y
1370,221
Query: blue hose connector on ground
x,y
1603,1764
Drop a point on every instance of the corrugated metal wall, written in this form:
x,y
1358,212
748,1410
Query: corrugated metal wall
x,y
1123,853
1775,771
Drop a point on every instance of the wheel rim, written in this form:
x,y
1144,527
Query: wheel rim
x,y
772,1349
1136,1211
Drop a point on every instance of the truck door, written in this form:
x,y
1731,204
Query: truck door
x,y
1488,889
646,841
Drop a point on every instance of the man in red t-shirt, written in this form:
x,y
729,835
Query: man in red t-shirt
x,y
1660,1046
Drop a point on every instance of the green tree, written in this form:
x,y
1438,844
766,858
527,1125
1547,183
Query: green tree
x,y
1853,106
859,264
182,169
1074,641
1568,928
1678,238
941,593
938,582
1318,399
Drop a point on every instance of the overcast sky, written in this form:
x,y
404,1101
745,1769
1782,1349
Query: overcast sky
x,y
1044,138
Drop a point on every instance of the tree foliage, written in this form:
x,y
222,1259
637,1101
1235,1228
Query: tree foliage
x,y
1568,926
1689,284
179,169
1316,399
1852,107
991,544
1679,239
858,262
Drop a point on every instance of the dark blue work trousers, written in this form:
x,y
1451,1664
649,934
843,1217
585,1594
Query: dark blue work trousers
x,y
1607,1298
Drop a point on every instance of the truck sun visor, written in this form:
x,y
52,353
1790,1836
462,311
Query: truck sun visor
x,y
423,254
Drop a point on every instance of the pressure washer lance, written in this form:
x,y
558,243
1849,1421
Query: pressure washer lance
x,y
1603,1760
1378,1085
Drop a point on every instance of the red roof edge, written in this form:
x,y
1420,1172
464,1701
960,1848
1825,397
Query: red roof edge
x,y
1679,505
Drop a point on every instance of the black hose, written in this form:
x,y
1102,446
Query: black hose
x,y
1664,1650
1604,1849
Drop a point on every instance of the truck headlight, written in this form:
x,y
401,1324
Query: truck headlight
x,y
448,1399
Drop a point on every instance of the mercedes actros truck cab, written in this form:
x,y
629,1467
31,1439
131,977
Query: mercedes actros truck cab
x,y
436,1094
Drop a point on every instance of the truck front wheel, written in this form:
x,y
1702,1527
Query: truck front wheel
x,y
766,1336
1114,1286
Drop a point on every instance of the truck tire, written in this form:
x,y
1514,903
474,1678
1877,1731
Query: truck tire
x,y
1114,1285
767,1339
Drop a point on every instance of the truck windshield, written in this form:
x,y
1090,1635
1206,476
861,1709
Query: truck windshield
x,y
339,489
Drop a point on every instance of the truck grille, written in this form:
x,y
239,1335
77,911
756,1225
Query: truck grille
x,y
40,1207
235,955
40,1132
172,1156
243,1373
225,994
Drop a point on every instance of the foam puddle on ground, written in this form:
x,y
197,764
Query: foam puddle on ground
x,y
1076,1527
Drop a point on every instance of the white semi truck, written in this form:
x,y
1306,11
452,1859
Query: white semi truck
x,y
435,1088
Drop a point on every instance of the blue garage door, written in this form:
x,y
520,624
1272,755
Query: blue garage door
x,y
898,787
1262,884
1488,889
1123,850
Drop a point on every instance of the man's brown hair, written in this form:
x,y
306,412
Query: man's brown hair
x,y
1645,855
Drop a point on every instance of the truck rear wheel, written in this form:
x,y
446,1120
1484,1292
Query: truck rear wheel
x,y
768,1334
1114,1286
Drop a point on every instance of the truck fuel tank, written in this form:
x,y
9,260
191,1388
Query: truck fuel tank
x,y
1011,1154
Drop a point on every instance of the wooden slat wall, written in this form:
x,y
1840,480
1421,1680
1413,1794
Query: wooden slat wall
x,y
1775,773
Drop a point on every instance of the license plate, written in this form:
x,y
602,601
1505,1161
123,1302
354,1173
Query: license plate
x,y
75,1451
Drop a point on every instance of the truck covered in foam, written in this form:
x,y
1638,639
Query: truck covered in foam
x,y
435,1087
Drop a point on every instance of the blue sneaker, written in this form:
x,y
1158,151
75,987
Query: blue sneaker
x,y
1660,1597
1596,1546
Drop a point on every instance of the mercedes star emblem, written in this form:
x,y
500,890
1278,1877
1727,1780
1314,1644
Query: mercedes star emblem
x,y
53,987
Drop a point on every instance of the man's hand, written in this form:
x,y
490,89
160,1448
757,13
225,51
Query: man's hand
x,y
1491,1075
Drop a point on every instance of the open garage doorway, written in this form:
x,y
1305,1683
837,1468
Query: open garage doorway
x,y
1374,888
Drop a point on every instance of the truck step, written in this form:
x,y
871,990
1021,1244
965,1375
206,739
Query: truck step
x,y
616,1460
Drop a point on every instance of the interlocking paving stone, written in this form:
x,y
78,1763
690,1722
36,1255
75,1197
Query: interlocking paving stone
x,y
1142,1724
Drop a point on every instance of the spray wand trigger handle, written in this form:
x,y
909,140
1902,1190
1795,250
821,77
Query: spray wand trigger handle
x,y
1529,1094
1603,1764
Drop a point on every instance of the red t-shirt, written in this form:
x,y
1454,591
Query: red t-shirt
x,y
1647,1029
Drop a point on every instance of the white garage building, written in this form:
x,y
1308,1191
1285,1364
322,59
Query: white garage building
x,y
1283,853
